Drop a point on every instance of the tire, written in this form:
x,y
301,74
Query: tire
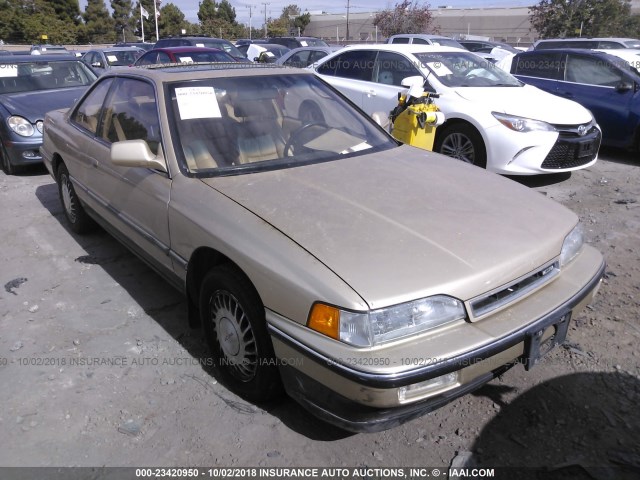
x,y
7,166
235,329
463,142
75,213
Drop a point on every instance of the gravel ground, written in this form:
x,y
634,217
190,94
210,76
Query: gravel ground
x,y
99,368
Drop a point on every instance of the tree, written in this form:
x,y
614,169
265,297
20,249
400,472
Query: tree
x,y
207,10
172,21
122,18
301,22
407,17
99,26
587,18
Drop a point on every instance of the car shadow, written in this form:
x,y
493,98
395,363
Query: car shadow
x,y
168,308
582,425
542,180
619,155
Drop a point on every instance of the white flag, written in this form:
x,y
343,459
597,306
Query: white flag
x,y
144,12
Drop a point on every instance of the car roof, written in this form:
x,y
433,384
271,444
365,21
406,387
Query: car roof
x,y
185,48
586,39
179,72
403,48
13,59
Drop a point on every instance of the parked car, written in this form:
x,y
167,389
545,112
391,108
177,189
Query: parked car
x,y
103,59
424,39
265,52
295,42
183,55
49,50
492,119
209,42
146,46
30,87
486,46
266,221
589,43
243,47
605,84
497,50
302,57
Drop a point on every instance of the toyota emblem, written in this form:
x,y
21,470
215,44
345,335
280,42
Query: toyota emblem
x,y
582,130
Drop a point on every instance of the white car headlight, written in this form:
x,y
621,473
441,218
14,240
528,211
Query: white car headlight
x,y
572,245
522,124
366,329
21,126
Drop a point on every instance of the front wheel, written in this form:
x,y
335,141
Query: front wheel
x,y
463,142
235,328
78,219
7,166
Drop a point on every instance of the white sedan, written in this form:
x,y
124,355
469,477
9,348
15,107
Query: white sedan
x,y
493,120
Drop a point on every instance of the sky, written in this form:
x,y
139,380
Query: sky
x,y
274,7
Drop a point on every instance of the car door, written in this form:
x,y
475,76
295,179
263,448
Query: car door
x,y
351,73
540,68
389,70
133,201
598,85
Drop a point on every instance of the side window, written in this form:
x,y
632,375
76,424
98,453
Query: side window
x,y
391,68
400,40
87,114
604,44
539,65
592,71
357,65
298,60
131,114
163,58
421,41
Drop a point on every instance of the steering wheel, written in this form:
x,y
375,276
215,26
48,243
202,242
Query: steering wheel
x,y
296,137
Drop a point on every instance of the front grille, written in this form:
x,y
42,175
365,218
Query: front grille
x,y
495,299
572,150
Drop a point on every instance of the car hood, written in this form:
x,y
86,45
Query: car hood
x,y
529,102
33,105
404,224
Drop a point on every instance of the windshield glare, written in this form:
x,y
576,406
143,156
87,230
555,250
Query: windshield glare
x,y
227,126
460,69
27,77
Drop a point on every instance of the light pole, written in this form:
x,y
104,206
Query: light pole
x,y
348,21
265,18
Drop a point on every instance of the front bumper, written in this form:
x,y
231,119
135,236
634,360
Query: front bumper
x,y
25,152
347,395
540,152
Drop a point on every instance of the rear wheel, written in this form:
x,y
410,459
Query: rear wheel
x,y
463,142
235,328
75,213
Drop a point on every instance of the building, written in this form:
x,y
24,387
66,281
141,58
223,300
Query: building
x,y
510,24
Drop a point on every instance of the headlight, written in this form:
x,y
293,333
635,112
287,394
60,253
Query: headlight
x,y
366,329
521,124
21,126
572,245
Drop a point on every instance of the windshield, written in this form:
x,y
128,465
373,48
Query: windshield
x,y
446,42
462,69
228,47
229,126
632,44
313,42
119,58
26,77
203,56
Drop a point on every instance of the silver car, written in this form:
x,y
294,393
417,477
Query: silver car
x,y
370,281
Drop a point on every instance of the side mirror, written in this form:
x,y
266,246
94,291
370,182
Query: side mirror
x,y
624,87
136,153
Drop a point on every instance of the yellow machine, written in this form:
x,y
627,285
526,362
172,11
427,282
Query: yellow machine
x,y
415,119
